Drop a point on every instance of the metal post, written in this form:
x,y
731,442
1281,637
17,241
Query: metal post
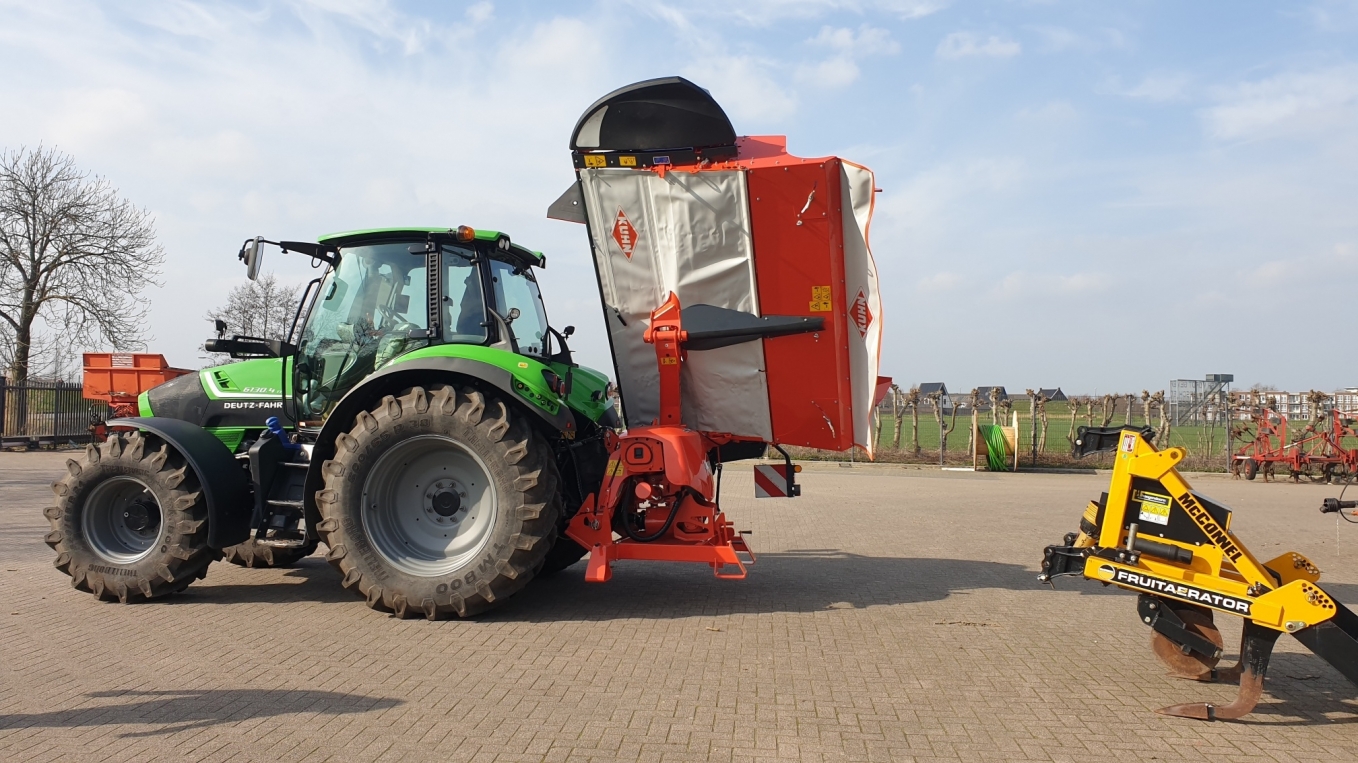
x,y
4,394
56,411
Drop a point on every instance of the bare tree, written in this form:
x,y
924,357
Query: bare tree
x,y
897,415
975,400
1162,433
262,308
74,255
1109,405
936,399
1074,403
1131,403
912,399
1042,416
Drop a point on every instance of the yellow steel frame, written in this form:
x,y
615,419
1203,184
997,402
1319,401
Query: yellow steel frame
x,y
1224,566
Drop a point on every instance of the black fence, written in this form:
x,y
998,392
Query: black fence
x,y
38,414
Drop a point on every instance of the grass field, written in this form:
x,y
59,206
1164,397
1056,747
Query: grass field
x,y
1206,445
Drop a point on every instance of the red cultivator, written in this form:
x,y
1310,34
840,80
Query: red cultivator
x,y
1317,452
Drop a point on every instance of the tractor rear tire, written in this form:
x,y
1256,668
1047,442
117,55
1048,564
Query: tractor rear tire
x,y
438,503
564,553
130,522
253,553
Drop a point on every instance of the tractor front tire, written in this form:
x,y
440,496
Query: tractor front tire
x,y
130,521
253,553
439,503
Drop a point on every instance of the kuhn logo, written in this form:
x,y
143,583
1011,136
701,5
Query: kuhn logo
x,y
625,234
862,316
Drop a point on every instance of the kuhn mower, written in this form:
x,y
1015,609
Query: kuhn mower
x,y
427,423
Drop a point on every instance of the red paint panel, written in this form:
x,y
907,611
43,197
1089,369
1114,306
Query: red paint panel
x,y
797,221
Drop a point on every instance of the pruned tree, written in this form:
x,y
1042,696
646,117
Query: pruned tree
x,y
912,399
974,399
936,400
1042,419
897,415
1131,403
995,406
262,308
1074,403
74,256
1109,405
1161,433
1146,406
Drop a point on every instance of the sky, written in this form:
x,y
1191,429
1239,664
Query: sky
x,y
1101,196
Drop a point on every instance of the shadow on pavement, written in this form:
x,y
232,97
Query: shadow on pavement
x,y
177,711
795,581
312,579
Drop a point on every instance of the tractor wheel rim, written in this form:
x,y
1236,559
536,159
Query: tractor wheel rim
x,y
122,521
429,505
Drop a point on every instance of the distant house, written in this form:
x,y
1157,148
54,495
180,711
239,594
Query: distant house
x,y
983,397
928,388
1054,395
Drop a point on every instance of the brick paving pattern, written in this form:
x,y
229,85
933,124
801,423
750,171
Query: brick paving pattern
x,y
893,616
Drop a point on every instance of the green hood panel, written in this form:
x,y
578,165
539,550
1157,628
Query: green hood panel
x,y
247,379
529,382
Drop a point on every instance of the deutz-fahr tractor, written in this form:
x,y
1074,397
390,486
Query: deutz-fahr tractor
x,y
452,424
431,428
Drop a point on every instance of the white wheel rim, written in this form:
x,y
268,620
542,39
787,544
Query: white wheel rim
x,y
122,521
408,513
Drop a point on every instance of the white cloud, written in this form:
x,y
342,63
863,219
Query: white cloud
x,y
765,12
830,73
1297,101
968,44
744,87
841,69
939,282
1160,88
481,12
867,41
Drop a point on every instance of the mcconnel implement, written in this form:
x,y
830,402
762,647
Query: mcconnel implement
x,y
1153,534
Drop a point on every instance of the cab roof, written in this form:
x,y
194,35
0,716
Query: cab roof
x,y
355,237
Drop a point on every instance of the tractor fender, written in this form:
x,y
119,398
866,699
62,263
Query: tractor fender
x,y
412,373
225,487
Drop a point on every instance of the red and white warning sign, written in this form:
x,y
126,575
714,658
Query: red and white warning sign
x,y
770,481
624,233
861,315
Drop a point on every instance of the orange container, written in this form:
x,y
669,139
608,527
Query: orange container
x,y
119,377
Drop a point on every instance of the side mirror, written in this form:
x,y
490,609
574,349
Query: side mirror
x,y
567,333
513,314
252,255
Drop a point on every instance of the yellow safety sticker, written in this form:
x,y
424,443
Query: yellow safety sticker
x,y
669,361
614,468
820,299
627,161
595,160
1154,507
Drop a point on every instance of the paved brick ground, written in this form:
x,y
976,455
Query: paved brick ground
x,y
893,615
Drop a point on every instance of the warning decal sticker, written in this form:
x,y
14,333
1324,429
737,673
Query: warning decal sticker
x,y
861,315
624,234
820,299
1154,507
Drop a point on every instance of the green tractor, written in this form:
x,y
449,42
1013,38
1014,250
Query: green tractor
x,y
428,425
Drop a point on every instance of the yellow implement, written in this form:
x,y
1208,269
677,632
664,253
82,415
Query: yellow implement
x,y
1153,534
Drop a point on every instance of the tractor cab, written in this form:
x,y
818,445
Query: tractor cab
x,y
388,292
